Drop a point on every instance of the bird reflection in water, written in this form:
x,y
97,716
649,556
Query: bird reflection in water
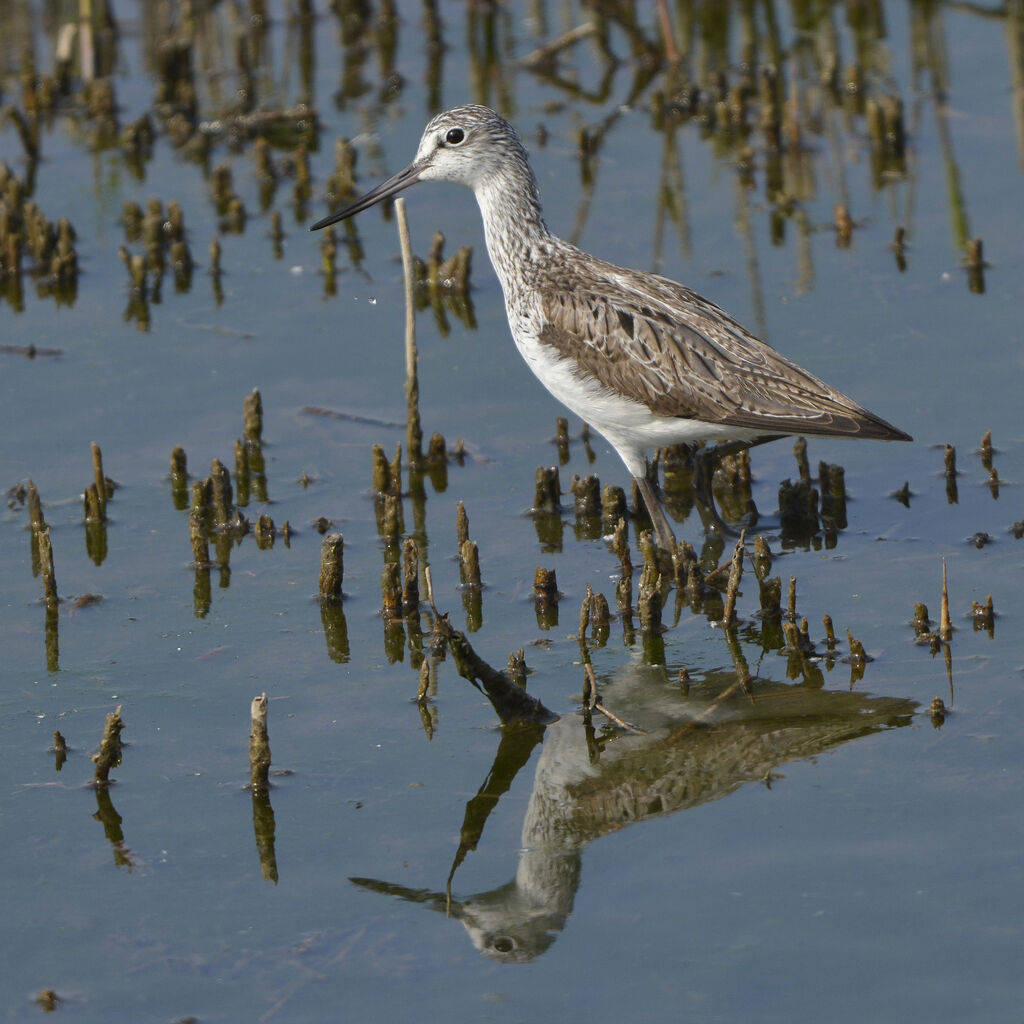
x,y
683,749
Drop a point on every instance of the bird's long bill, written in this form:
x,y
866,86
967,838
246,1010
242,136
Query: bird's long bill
x,y
394,184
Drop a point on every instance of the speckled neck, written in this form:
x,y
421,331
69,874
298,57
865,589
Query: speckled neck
x,y
513,223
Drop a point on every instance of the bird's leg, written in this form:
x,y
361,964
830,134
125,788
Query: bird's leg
x,y
662,531
704,464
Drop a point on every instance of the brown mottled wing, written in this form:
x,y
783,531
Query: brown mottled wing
x,y
665,346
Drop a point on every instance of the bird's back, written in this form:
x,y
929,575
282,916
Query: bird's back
x,y
662,344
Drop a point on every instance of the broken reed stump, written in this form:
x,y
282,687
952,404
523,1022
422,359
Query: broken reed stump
x,y
47,1000
259,782
798,508
199,538
613,507
35,507
201,496
179,477
762,558
858,656
587,496
904,494
547,491
517,670
469,564
949,462
585,614
381,480
648,592
437,462
59,750
259,745
100,481
391,591
985,450
109,755
252,416
391,522
792,635
424,683
984,615
242,471
221,496
461,524
264,532
735,575
545,585
387,476
922,623
46,568
975,262
832,486
830,632
331,567
771,598
595,616
803,466
545,597
92,505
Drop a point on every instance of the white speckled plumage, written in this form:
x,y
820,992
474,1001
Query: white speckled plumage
x,y
644,360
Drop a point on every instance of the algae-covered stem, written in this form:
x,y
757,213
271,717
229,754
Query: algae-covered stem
x,y
414,432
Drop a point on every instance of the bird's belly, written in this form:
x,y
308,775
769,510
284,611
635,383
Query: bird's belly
x,y
629,425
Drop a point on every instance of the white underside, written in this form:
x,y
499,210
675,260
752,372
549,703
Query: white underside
x,y
630,427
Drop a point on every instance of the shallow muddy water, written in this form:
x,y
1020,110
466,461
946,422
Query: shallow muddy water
x,y
815,844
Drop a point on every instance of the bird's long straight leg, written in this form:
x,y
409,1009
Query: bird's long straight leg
x,y
705,463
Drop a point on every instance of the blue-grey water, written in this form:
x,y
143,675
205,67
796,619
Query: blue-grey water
x,y
815,846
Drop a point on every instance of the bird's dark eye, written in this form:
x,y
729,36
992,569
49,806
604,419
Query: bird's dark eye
x,y
454,136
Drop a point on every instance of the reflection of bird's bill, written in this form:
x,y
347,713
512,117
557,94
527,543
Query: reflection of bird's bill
x,y
506,923
395,184
435,900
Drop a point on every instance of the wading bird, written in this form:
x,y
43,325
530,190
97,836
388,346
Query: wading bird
x,y
644,360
